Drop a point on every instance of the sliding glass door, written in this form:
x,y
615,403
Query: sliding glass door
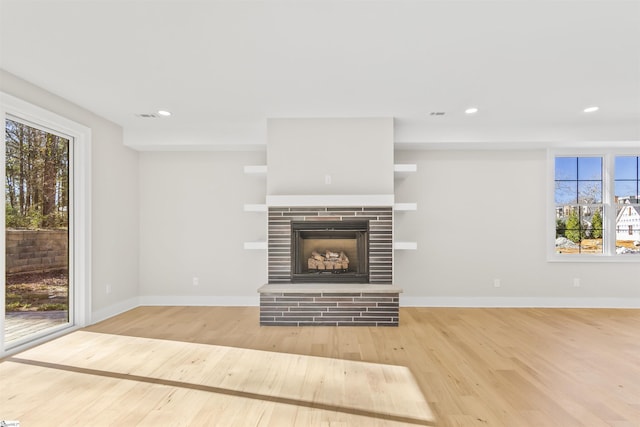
x,y
38,232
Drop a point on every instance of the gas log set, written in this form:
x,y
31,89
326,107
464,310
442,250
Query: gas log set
x,y
330,261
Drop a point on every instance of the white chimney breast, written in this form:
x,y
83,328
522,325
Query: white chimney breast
x,y
343,156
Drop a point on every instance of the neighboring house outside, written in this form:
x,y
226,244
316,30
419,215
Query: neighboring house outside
x,y
627,220
628,223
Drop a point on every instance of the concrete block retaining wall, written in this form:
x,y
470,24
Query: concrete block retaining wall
x,y
30,251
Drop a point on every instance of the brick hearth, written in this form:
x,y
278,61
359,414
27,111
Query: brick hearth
x,y
329,305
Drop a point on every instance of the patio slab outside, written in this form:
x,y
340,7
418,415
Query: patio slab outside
x,y
19,324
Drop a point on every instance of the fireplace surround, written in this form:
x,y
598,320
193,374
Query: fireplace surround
x,y
375,261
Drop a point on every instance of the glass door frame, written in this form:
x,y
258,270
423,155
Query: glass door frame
x,y
79,216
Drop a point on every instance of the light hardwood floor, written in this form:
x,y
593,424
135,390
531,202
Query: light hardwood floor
x,y
473,367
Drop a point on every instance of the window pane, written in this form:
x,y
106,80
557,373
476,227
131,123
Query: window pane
x,y
566,168
589,192
625,190
628,229
627,179
626,168
579,229
566,192
591,229
578,180
589,168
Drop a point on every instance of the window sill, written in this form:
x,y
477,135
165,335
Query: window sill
x,y
594,258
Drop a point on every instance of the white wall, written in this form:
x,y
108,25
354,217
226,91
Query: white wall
x,y
192,224
357,153
114,193
481,216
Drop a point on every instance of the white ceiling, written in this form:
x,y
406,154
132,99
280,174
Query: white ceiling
x,y
223,67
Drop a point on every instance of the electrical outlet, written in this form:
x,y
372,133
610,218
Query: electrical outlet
x,y
327,179
496,283
196,281
108,288
576,282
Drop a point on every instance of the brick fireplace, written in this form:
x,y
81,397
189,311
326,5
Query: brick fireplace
x,y
360,295
379,222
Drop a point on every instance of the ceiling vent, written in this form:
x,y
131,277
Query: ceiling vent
x,y
147,116
436,113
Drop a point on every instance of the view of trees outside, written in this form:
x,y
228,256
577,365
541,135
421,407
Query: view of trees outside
x,y
580,215
37,209
37,178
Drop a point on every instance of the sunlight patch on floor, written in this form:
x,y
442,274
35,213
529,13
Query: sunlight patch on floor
x,y
143,380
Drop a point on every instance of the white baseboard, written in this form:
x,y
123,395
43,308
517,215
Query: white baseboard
x,y
114,310
405,301
479,302
213,301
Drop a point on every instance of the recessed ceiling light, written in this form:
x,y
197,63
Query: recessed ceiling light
x,y
164,113
591,109
471,110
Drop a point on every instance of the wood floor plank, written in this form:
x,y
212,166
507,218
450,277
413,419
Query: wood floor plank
x,y
474,367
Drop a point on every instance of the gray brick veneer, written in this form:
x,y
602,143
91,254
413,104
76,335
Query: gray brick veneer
x,y
380,238
329,309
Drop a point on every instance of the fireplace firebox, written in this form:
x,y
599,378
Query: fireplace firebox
x,y
330,251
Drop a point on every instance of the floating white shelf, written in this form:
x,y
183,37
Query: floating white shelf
x,y
256,169
405,168
255,208
405,206
397,168
405,246
401,246
331,200
259,245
